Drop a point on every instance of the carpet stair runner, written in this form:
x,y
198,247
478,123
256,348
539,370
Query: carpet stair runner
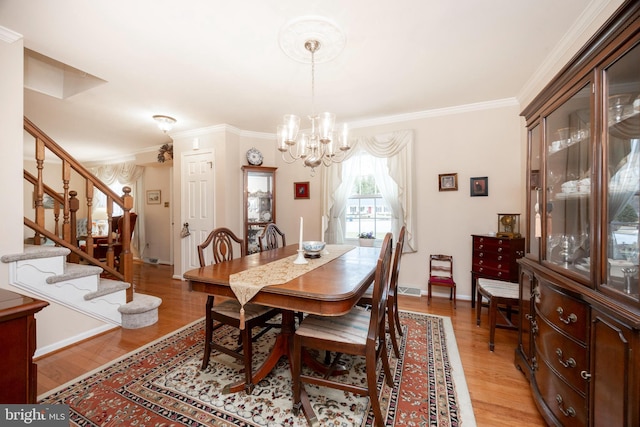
x,y
44,272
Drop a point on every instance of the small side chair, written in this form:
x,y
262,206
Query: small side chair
x,y
441,274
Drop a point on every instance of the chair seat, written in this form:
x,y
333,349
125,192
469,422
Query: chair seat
x,y
442,280
231,308
498,292
499,288
350,328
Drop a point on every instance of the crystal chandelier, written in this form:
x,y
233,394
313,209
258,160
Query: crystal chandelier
x,y
322,144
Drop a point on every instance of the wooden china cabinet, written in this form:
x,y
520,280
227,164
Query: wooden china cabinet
x,y
259,203
579,337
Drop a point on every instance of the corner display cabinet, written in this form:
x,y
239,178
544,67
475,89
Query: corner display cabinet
x,y
579,337
259,203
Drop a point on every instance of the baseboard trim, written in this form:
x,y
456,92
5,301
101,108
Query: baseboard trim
x,y
42,351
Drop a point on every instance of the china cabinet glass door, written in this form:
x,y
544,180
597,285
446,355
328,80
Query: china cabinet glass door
x,y
568,183
622,118
536,210
259,183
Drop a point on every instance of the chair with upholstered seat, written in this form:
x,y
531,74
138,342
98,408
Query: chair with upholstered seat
x,y
504,298
393,318
360,332
271,238
441,274
222,242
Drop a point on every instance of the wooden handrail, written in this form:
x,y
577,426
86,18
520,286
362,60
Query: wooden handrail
x,y
69,203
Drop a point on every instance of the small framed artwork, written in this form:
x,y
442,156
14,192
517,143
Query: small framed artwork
x,y
479,186
448,182
301,190
153,197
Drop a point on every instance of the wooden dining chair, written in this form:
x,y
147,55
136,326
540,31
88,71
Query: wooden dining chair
x,y
360,332
271,238
393,318
441,274
222,242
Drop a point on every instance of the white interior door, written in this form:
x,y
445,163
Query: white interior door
x,y
197,203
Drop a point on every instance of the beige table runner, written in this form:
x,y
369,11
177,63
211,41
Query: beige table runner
x,y
247,284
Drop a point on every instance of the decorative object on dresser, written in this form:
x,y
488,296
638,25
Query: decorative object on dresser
x,y
259,203
19,379
508,225
579,336
494,258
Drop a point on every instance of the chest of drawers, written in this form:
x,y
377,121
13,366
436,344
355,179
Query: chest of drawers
x,y
494,258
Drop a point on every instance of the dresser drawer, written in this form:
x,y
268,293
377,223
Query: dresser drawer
x,y
568,406
566,313
491,245
492,272
565,356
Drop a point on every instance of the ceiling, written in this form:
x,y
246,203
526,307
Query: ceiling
x,y
207,62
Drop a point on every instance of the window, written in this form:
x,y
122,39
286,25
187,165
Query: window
x,y
367,210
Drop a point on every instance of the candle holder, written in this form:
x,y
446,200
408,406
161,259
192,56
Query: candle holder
x,y
300,259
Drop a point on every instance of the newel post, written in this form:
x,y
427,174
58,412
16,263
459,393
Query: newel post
x,y
126,257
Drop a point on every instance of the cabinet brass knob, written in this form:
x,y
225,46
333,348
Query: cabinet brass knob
x,y
569,363
569,412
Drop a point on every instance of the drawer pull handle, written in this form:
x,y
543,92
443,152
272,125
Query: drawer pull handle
x,y
534,327
480,255
481,262
480,246
569,363
499,257
572,318
499,273
499,249
569,412
585,375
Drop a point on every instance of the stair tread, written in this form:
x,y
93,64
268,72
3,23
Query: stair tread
x,y
36,251
141,303
106,287
75,271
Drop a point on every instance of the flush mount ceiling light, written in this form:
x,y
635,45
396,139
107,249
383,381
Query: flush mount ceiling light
x,y
302,40
165,123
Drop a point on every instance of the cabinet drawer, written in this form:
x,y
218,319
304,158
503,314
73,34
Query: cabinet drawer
x,y
496,262
492,272
566,356
568,406
566,313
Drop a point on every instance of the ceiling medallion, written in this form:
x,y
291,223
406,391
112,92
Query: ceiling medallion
x,y
296,32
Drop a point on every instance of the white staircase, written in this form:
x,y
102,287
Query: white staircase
x,y
44,272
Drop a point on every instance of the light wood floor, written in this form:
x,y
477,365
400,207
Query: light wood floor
x,y
499,392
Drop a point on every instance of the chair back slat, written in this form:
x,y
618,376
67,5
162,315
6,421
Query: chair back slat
x,y
271,238
221,241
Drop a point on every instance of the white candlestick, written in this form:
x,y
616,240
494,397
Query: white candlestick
x,y
322,230
301,222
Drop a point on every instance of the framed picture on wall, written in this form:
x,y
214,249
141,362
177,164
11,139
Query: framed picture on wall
x,y
479,186
153,197
448,182
301,190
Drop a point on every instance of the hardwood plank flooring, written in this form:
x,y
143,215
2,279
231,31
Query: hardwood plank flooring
x,y
500,394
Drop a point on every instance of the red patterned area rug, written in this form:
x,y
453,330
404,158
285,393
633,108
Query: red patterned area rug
x,y
162,384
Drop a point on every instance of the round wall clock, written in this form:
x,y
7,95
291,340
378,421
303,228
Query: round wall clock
x,y
254,157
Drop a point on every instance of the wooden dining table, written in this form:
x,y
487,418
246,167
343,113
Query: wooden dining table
x,y
331,289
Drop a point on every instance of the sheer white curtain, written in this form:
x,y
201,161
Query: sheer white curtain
x,y
397,149
132,175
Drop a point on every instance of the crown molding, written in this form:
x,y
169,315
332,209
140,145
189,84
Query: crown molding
x,y
9,36
596,12
438,112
